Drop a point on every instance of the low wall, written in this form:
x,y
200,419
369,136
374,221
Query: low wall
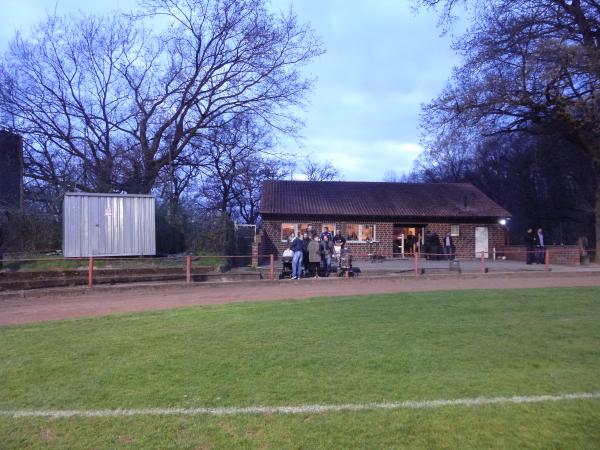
x,y
568,255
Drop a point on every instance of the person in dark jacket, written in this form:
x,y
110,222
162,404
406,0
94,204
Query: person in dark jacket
x,y
298,249
327,233
305,242
338,239
530,244
326,249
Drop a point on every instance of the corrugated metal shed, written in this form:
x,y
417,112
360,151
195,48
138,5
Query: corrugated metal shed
x,y
108,225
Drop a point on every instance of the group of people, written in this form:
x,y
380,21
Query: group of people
x,y
311,253
535,246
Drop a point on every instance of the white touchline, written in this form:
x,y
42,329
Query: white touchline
x,y
300,409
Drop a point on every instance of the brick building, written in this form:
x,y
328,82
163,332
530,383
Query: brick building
x,y
388,219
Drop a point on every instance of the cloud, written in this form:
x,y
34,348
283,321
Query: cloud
x,y
363,160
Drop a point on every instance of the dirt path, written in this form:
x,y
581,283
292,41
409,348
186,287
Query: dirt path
x,y
102,301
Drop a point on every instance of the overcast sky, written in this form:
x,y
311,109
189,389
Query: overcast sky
x,y
381,62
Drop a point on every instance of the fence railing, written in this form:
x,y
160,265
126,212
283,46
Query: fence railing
x,y
23,273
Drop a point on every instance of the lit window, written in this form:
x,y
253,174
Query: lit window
x,y
287,229
331,227
359,232
454,230
352,232
368,233
303,228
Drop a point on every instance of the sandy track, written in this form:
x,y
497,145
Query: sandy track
x,y
103,301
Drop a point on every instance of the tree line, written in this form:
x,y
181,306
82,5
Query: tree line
x,y
520,115
185,99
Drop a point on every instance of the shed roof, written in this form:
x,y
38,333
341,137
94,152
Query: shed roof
x,y
375,199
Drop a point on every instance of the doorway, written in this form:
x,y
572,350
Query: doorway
x,y
408,238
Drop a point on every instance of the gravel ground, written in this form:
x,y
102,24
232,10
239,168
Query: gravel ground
x,y
60,304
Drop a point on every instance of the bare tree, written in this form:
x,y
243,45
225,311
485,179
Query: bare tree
x,y
107,103
248,192
528,66
315,171
227,152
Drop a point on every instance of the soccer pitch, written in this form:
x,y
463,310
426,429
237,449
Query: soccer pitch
x,y
461,369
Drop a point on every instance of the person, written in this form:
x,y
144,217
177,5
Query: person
x,y
530,243
410,244
540,251
449,247
298,249
339,240
327,233
434,247
305,241
314,257
326,249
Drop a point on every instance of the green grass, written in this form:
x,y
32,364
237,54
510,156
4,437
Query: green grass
x,y
346,350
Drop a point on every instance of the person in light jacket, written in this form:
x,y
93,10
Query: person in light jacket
x,y
449,247
314,257
540,251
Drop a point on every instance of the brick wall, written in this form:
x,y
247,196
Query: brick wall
x,y
465,242
559,254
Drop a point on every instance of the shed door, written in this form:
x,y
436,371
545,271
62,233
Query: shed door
x,y
481,241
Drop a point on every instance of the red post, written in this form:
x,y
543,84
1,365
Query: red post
x,y
547,258
482,262
416,264
272,267
188,269
91,272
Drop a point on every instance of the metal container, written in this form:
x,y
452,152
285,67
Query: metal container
x,y
108,225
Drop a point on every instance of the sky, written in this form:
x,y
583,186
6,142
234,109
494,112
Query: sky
x,y
382,62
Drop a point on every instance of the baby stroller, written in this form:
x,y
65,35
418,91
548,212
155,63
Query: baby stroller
x,y
286,267
345,265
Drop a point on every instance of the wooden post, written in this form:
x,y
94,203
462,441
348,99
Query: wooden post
x,y
272,267
416,264
91,272
482,262
188,269
547,258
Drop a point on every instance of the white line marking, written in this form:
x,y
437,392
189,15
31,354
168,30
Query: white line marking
x,y
300,409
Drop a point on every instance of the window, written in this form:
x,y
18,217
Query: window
x,y
352,232
303,228
359,232
287,229
368,233
454,230
331,227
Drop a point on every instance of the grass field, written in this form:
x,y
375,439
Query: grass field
x,y
385,348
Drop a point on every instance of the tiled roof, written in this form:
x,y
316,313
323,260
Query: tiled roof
x,y
369,199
